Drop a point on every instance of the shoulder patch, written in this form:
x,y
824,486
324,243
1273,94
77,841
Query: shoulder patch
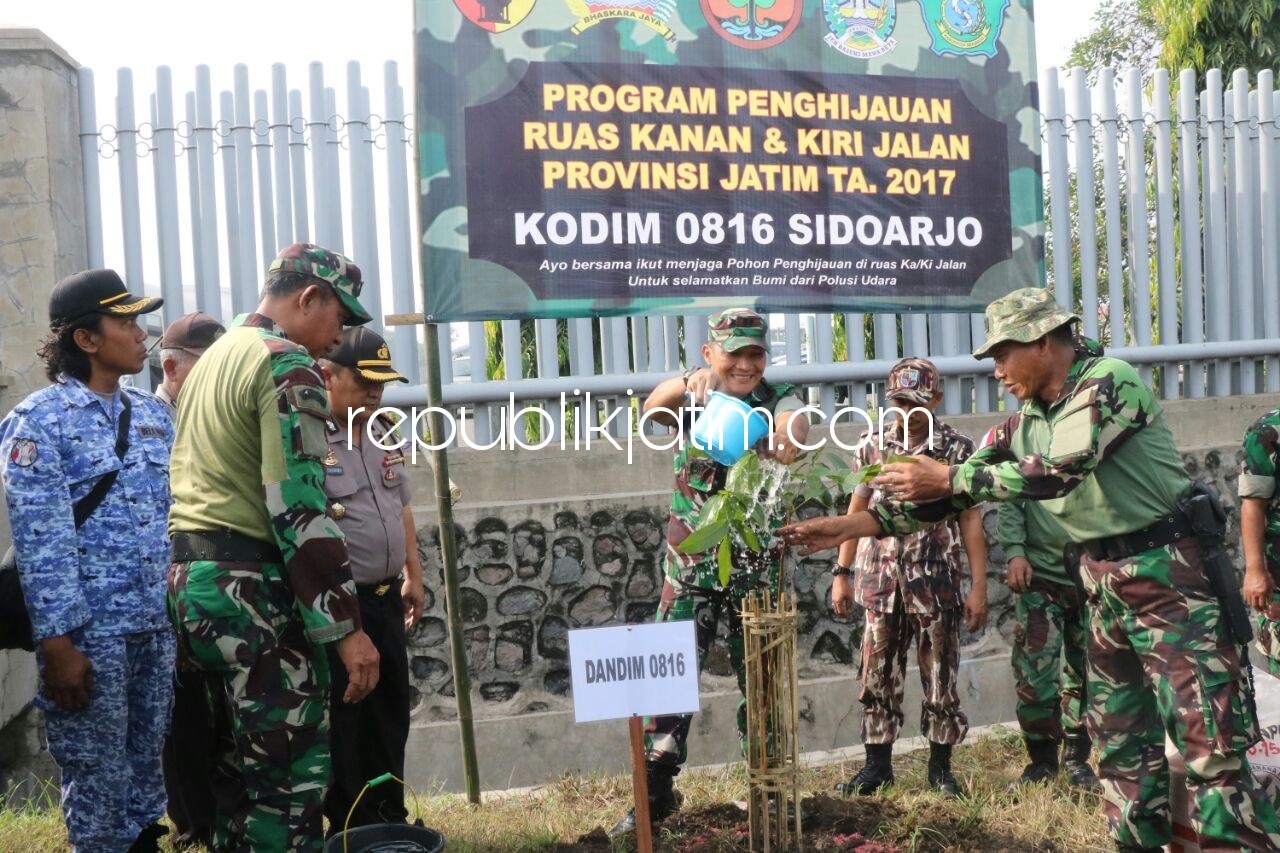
x,y
24,453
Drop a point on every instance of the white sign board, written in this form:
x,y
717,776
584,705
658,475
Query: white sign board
x,y
634,670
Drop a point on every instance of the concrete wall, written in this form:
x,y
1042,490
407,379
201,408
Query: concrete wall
x,y
42,239
555,539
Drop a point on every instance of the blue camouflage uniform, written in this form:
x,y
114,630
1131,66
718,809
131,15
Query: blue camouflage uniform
x,y
104,585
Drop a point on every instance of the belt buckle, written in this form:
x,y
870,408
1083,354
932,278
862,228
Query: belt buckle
x,y
382,589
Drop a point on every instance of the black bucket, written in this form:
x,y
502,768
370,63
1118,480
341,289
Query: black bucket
x,y
387,838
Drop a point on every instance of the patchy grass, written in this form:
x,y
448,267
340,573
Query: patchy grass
x,y
908,817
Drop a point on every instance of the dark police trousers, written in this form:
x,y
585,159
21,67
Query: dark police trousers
x,y
188,758
367,738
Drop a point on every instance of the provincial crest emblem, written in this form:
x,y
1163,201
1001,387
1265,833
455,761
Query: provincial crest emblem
x,y
861,28
909,378
753,24
655,14
964,27
495,15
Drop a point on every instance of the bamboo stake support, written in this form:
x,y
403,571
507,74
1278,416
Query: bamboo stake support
x,y
773,721
640,787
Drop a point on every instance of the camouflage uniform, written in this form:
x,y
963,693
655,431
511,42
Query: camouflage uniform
x,y
1160,662
103,585
258,627
1051,622
1258,472
910,587
692,590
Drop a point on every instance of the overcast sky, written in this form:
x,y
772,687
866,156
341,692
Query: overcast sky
x,y
143,34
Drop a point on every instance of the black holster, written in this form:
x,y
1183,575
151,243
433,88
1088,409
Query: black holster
x,y
1207,517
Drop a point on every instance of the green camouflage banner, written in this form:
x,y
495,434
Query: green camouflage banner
x,y
611,157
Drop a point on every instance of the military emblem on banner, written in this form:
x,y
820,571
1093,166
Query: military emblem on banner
x,y
495,15
964,27
753,24
655,14
861,28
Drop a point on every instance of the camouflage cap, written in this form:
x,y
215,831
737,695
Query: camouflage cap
x,y
1023,316
736,328
329,267
913,379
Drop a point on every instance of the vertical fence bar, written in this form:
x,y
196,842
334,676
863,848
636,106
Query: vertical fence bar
x,y
822,351
1110,121
92,179
984,388
1165,233
1139,236
404,339
547,345
1082,110
1269,233
791,324
1243,306
328,234
1245,225
231,205
127,157
333,144
695,335
166,181
196,203
364,204
247,237
478,349
1059,214
1192,235
266,203
280,148
209,296
657,345
298,135
1236,323
949,331
1216,282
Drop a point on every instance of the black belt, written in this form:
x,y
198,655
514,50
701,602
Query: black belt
x,y
380,588
1166,531
222,546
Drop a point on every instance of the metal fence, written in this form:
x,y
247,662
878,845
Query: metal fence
x,y
1163,232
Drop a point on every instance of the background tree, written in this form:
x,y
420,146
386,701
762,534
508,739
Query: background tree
x,y
1125,35
1226,34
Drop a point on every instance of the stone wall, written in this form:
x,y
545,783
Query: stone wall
x,y
42,239
532,570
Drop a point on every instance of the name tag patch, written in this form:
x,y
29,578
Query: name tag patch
x,y
151,431
333,470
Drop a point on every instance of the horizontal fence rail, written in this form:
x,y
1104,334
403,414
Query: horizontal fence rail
x,y
1162,209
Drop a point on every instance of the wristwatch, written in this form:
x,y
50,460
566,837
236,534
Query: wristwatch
x,y
839,571
688,374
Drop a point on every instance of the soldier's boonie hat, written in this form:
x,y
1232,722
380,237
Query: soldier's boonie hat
x,y
1023,316
737,328
914,380
96,292
338,270
194,331
364,351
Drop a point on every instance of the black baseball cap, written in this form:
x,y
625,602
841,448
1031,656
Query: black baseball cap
x,y
96,292
364,351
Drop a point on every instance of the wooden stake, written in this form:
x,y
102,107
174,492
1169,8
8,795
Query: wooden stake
x,y
640,787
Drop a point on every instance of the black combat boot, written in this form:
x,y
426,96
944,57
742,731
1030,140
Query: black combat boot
x,y
663,800
148,841
1044,761
940,770
1075,761
874,775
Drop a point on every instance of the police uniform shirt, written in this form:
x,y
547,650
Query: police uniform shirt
x,y
368,489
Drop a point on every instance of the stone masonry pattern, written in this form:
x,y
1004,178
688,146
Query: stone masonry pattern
x,y
530,576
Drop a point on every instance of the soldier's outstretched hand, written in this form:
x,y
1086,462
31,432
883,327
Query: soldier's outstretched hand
x,y
926,479
361,660
820,534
